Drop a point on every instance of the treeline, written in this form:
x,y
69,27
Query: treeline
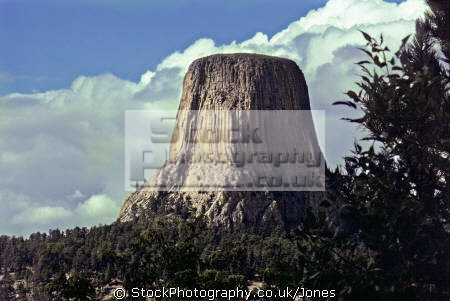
x,y
74,263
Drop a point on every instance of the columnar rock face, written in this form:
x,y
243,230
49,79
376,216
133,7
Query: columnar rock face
x,y
232,82
244,81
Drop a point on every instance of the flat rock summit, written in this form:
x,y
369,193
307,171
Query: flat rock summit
x,y
244,81
228,82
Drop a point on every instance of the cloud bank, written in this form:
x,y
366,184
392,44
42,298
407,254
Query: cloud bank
x,y
62,151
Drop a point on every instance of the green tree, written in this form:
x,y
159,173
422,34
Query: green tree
x,y
77,288
141,264
438,23
394,194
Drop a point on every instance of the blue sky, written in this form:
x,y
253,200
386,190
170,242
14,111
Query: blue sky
x,y
69,70
46,44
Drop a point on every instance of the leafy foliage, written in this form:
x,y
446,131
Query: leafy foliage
x,y
396,192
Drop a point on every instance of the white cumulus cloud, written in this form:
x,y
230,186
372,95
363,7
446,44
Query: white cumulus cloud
x,y
58,142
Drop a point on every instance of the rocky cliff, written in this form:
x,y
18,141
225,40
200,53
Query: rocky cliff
x,y
244,81
228,82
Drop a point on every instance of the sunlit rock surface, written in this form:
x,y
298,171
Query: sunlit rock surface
x,y
220,84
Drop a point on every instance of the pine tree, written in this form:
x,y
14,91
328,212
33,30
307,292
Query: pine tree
x,y
439,23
